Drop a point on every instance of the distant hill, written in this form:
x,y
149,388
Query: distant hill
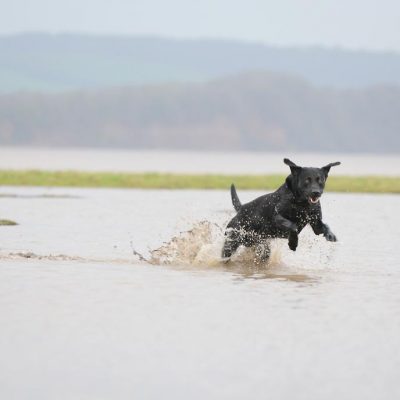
x,y
45,62
255,111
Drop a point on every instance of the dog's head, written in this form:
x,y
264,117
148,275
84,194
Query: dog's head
x,y
307,184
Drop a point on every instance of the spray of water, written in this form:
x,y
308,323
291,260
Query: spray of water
x,y
201,247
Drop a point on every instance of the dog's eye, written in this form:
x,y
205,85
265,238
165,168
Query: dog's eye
x,y
308,181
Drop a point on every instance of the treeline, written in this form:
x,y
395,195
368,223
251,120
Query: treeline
x,y
255,111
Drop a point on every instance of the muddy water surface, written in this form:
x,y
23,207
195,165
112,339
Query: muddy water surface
x,y
83,317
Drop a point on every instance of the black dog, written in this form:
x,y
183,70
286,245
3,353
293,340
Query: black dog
x,y
282,214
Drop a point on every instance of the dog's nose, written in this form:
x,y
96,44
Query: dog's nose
x,y
316,194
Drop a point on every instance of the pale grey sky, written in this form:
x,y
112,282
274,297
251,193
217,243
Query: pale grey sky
x,y
355,24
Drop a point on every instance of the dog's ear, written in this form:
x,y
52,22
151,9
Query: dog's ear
x,y
289,182
288,162
293,167
327,168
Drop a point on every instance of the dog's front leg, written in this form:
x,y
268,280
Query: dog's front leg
x,y
286,224
293,240
319,227
283,223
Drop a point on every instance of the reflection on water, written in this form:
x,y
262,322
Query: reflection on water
x,y
84,317
274,275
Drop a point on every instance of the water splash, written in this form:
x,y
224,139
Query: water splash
x,y
201,247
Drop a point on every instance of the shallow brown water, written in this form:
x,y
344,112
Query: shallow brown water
x,y
83,318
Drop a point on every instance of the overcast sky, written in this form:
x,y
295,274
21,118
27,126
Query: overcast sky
x,y
356,24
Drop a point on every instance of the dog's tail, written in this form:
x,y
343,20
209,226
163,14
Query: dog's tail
x,y
235,199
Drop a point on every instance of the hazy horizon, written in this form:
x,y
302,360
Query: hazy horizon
x,y
364,25
250,42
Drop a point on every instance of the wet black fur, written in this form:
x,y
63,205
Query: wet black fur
x,y
281,214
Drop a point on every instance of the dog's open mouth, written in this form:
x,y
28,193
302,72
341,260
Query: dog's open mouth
x,y
313,199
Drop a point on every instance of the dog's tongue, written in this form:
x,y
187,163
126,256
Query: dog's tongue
x,y
314,200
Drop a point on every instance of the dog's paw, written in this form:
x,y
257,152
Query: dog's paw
x,y
293,241
330,237
292,246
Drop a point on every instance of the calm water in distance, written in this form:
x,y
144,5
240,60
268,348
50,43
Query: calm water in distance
x,y
191,162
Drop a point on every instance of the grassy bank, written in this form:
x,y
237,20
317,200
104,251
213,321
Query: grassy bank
x,y
362,184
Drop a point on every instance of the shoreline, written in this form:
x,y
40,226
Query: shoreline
x,y
341,183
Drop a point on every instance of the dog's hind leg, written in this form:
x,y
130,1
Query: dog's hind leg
x,y
263,251
231,243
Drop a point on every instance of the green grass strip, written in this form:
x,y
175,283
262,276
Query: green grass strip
x,y
351,184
